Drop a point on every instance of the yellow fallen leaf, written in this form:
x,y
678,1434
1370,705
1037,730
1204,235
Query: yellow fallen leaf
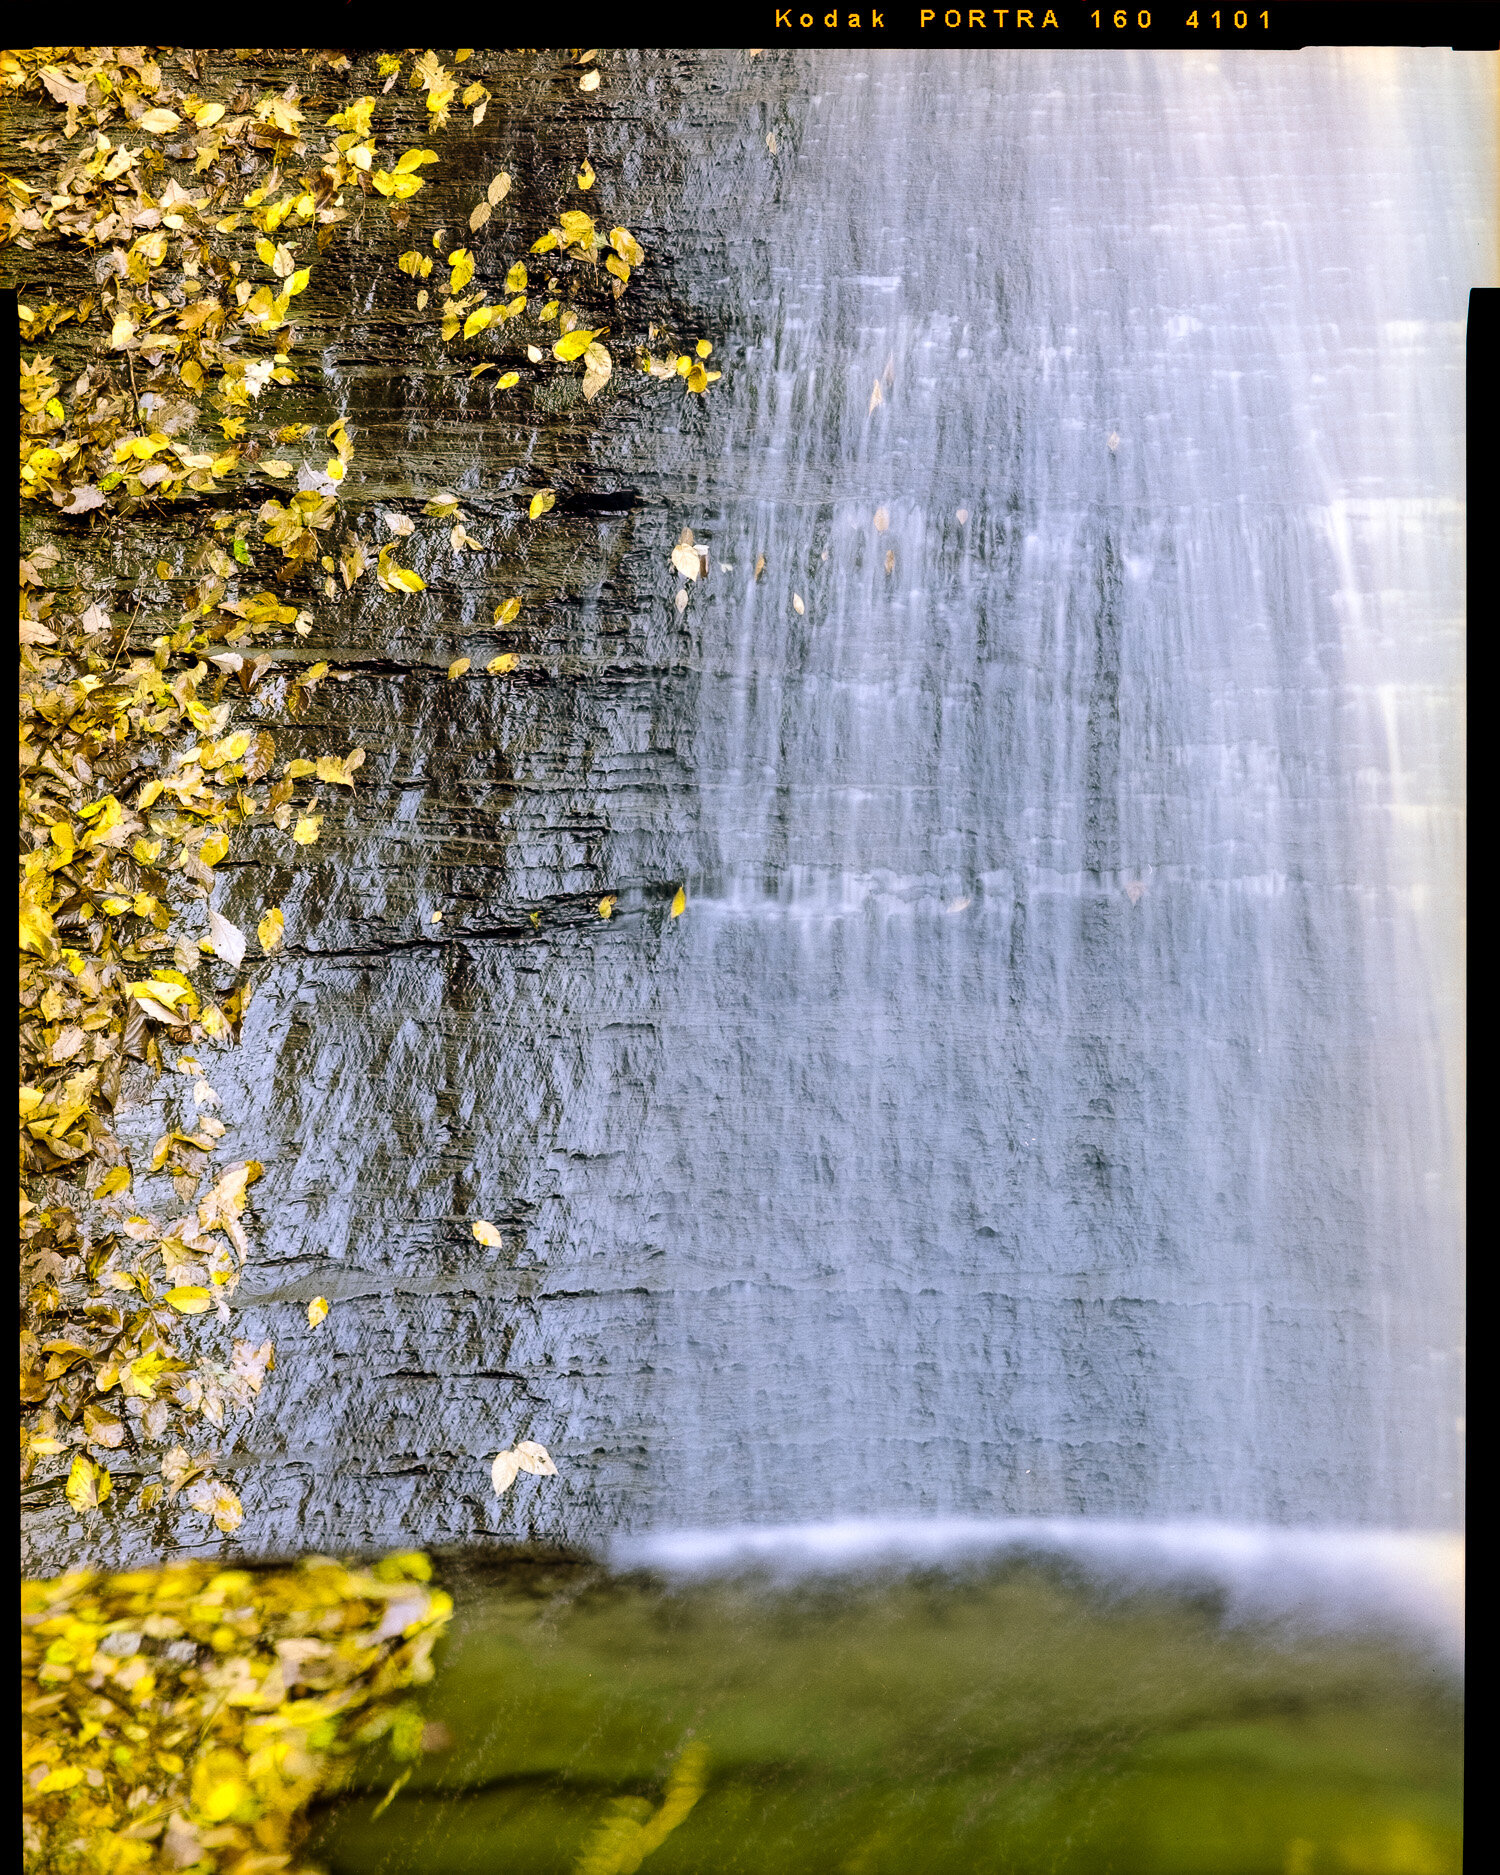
x,y
317,1311
586,176
507,661
679,903
307,828
498,190
88,1485
462,263
116,1179
159,122
188,1299
270,930
339,770
507,379
478,216
485,1232
507,610
607,906
457,668
66,1775
574,344
37,934
541,502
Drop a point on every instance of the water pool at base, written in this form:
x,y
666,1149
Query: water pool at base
x,y
1014,1711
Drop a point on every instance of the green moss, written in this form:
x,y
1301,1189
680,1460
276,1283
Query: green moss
x,y
1013,1722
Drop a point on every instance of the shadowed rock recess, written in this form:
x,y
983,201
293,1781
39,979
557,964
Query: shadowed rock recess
x,y
1047,1102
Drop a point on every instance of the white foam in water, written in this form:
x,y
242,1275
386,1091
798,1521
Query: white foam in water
x,y
1410,1583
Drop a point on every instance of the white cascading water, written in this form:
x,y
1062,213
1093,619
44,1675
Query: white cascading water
x,y
1049,1103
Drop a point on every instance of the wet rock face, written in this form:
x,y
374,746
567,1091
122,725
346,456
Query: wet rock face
x,y
1043,1104
400,1078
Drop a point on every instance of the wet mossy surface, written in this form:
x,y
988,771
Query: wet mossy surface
x,y
1008,1720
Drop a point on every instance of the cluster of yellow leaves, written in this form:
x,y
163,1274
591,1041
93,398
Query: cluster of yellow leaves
x,y
689,366
186,1716
121,829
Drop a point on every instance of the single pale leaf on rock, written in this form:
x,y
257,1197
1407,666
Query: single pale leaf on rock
x,y
457,668
478,216
797,605
882,520
486,1233
685,559
498,190
589,82
317,1311
215,1499
503,1472
189,1299
306,831
228,940
535,1459
963,517
876,400
682,599
159,122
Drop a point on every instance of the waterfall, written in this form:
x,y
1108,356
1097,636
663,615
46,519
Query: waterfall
x,y
1048,1104
1052,1099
